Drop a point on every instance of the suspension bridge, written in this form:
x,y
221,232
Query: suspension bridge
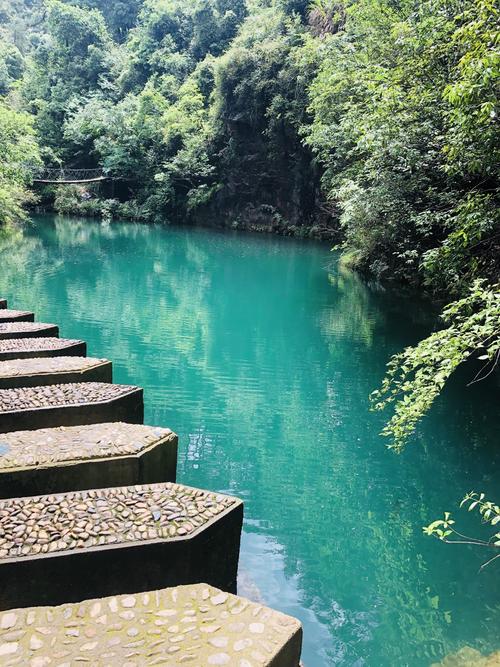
x,y
64,175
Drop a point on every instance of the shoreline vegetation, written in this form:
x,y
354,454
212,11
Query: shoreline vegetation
x,y
258,221
372,124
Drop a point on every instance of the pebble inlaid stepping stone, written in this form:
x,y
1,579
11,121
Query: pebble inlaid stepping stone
x,y
7,315
66,458
69,404
196,625
27,330
26,348
65,547
3,303
53,370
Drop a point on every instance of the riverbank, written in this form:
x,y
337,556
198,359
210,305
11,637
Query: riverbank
x,y
262,220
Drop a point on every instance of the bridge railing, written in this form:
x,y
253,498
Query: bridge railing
x,y
42,174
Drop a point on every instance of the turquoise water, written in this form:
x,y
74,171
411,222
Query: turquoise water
x,y
260,353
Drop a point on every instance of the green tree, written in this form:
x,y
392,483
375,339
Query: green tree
x,y
73,61
172,36
17,146
11,65
416,376
120,15
405,126
372,121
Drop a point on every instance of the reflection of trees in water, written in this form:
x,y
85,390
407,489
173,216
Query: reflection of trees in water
x,y
361,509
351,312
342,502
377,503
361,311
39,271
25,287
146,306
16,250
82,231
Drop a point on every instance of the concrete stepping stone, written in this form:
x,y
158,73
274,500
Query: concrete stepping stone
x,y
7,315
68,547
53,370
26,348
72,404
27,330
196,625
3,303
70,458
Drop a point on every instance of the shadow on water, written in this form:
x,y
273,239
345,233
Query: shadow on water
x,y
261,353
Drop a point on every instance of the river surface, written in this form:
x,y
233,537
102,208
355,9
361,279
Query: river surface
x,y
260,353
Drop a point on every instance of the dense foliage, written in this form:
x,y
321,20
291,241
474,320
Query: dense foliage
x,y
416,376
399,99
17,144
370,121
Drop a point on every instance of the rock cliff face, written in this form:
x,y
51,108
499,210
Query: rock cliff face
x,y
270,186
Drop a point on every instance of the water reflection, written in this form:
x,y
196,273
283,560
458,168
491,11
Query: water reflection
x,y
261,353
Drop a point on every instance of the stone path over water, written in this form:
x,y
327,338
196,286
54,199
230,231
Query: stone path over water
x,y
53,370
69,404
7,315
135,531
28,330
68,458
196,625
25,348
132,538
